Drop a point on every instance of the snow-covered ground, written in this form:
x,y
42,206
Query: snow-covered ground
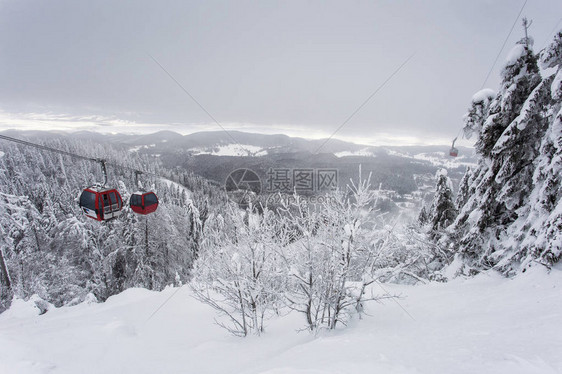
x,y
231,150
436,159
362,152
487,324
139,147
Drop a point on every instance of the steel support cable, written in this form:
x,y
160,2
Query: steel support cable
x,y
380,87
495,60
45,148
74,155
504,43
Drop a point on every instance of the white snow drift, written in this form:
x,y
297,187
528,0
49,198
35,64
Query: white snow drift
x,y
487,324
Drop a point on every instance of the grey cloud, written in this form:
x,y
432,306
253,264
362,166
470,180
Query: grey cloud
x,y
308,64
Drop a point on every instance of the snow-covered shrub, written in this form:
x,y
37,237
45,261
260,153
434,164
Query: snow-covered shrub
x,y
332,263
238,270
318,259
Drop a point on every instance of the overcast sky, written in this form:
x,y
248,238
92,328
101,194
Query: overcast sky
x,y
294,67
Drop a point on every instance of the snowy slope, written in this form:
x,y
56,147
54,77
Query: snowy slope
x,y
439,159
483,325
230,150
178,186
361,152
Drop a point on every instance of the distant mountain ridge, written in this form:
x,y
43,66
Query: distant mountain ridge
x,y
215,154
276,143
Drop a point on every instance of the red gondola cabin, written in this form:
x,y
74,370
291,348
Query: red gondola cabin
x,y
143,202
101,203
453,152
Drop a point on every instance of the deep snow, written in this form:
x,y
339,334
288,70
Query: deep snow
x,y
487,324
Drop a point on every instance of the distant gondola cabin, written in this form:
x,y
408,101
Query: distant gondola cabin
x,y
101,203
143,202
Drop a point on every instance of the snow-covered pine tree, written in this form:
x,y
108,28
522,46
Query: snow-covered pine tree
x,y
423,217
464,188
515,151
443,210
478,112
540,233
20,244
6,292
509,145
6,248
520,76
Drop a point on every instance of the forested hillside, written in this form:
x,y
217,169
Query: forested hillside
x,y
51,250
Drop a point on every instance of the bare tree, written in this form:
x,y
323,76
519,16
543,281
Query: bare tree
x,y
237,272
332,264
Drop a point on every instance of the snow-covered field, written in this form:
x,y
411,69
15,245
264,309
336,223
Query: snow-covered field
x,y
362,152
436,159
231,150
487,324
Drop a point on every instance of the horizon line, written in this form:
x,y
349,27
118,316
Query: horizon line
x,y
70,131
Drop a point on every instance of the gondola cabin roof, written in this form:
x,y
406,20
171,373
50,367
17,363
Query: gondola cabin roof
x,y
99,189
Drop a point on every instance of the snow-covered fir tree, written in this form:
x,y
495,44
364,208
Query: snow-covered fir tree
x,y
494,226
540,233
443,210
423,216
464,188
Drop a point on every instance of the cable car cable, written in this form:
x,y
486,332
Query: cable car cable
x,y
380,87
550,34
103,162
45,148
195,101
504,43
492,68
147,202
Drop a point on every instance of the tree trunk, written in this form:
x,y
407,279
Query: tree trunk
x,y
242,309
5,276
